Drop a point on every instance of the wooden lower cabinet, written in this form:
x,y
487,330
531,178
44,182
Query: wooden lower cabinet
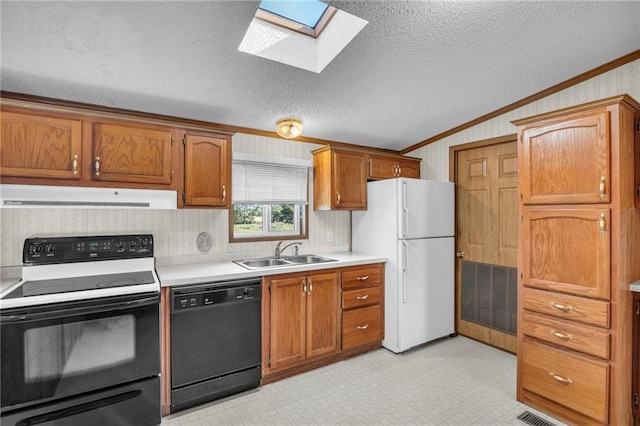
x,y
309,320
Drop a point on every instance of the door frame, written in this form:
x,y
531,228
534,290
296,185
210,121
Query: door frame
x,y
453,172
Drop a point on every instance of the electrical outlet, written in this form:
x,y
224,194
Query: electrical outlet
x,y
329,236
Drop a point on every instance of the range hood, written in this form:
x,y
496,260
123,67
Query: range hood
x,y
41,196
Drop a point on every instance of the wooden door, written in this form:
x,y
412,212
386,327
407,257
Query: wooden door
x,y
567,161
132,154
288,319
350,181
207,170
323,315
37,146
486,211
567,250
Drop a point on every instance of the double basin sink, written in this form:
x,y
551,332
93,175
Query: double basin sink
x,y
271,262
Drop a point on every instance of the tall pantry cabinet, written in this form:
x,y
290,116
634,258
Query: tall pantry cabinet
x,y
579,250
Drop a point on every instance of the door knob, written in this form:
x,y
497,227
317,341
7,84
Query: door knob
x,y
459,254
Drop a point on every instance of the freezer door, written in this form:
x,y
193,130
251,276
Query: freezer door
x,y
426,208
426,302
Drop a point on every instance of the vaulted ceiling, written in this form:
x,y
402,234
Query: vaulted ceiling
x,y
418,68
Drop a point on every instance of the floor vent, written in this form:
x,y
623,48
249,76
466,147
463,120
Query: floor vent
x,y
533,420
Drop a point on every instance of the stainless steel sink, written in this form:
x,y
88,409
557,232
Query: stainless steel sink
x,y
271,262
308,258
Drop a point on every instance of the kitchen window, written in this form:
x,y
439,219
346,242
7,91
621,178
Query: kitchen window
x,y
270,198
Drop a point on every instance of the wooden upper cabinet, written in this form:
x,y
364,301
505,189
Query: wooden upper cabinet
x,y
567,161
207,171
125,153
567,250
339,179
381,167
38,146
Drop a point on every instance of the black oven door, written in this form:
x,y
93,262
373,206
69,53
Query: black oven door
x,y
65,349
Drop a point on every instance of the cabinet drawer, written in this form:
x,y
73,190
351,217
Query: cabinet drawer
x,y
579,309
567,334
361,326
567,379
361,277
360,297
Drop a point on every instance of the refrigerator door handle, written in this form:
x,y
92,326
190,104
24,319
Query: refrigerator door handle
x,y
405,257
405,210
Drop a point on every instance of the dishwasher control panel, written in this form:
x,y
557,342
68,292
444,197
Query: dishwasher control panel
x,y
199,296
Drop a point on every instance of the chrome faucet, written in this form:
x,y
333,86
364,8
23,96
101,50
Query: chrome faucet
x,y
280,250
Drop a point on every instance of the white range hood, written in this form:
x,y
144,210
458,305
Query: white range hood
x,y
41,196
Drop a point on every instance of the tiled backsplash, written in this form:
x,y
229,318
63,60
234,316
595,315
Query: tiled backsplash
x,y
174,231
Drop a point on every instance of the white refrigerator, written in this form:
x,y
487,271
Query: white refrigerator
x,y
411,223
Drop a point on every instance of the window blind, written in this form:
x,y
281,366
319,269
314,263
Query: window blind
x,y
266,182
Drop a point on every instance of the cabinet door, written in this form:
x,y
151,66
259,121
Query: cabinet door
x,y
567,250
323,315
350,181
635,381
288,319
207,170
568,161
36,146
386,167
132,154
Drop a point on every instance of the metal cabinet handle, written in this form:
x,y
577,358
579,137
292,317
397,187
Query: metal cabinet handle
x,y
304,287
363,327
365,297
224,192
602,224
363,278
561,336
74,164
97,165
399,171
561,307
602,187
560,378
310,286
337,197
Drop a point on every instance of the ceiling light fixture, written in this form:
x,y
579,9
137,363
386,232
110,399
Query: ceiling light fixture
x,y
289,128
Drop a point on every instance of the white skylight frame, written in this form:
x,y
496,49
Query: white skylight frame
x,y
289,47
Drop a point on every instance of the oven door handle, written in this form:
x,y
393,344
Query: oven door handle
x,y
80,310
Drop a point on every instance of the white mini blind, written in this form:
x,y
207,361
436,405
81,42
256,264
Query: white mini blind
x,y
263,181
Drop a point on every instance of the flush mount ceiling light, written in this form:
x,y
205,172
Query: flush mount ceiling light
x,y
289,128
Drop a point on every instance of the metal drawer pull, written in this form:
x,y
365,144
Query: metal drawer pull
x,y
224,192
74,164
563,308
337,197
363,327
560,378
603,228
602,187
561,335
97,165
364,278
365,297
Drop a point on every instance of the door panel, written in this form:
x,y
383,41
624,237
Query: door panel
x,y
426,208
323,313
287,321
486,233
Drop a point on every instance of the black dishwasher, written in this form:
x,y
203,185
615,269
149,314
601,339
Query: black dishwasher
x,y
215,341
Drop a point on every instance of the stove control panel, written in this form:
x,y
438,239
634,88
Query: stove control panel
x,y
78,249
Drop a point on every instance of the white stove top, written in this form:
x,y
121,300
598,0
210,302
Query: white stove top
x,y
54,283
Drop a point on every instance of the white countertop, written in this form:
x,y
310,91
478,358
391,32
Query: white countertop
x,y
635,286
198,273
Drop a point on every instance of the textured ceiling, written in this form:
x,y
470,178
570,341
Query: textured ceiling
x,y
417,69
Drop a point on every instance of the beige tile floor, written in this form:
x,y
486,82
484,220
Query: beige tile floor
x,y
454,381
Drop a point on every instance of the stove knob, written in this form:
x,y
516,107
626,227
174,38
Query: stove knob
x,y
37,249
119,244
50,248
132,244
143,244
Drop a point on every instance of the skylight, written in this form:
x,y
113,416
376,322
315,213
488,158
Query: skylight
x,y
304,16
306,12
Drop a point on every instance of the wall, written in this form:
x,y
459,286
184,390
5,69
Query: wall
x,y
175,231
624,79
